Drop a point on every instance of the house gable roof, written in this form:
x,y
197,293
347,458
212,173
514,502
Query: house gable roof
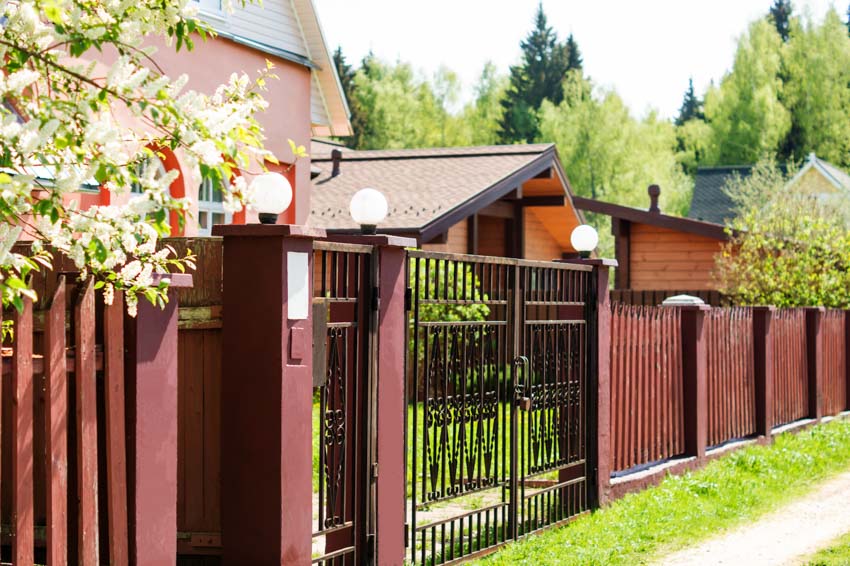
x,y
430,190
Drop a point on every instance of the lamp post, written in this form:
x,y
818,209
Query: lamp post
x,y
272,195
368,208
584,239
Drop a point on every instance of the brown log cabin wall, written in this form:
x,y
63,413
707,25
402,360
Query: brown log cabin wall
x,y
666,259
492,238
539,243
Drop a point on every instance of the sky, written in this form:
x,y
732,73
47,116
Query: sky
x,y
646,50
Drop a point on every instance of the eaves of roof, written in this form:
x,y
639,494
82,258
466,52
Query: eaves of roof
x,y
271,50
687,225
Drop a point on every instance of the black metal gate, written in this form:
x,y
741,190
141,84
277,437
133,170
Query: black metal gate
x,y
343,387
498,392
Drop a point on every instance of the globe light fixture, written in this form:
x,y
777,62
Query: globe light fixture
x,y
584,239
272,195
368,209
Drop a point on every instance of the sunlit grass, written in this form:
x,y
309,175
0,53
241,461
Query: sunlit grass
x,y
837,554
685,509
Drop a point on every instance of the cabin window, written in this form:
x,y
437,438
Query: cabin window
x,y
210,208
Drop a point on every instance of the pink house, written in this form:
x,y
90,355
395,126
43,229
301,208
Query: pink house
x,y
306,101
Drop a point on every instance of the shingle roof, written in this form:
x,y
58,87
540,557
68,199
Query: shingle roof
x,y
421,185
709,202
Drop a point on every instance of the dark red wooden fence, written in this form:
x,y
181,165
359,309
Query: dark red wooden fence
x,y
64,489
646,385
791,374
834,362
731,374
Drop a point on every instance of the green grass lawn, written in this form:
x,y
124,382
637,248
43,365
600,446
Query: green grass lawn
x,y
836,555
686,509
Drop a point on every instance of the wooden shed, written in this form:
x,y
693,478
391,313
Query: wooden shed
x,y
659,252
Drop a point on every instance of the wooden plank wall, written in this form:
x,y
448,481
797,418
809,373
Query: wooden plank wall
x,y
790,366
646,385
731,374
834,362
666,259
539,242
199,400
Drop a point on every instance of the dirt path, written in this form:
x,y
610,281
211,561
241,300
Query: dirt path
x,y
784,537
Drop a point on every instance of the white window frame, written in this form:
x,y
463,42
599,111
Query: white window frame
x,y
208,207
210,8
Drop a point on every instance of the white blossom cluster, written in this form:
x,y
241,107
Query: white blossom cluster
x,y
59,129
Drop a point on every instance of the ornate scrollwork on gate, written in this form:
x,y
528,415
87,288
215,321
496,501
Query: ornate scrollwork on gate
x,y
334,429
460,413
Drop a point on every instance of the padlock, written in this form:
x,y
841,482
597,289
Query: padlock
x,y
524,403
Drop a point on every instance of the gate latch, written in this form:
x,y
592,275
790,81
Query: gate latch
x,y
523,402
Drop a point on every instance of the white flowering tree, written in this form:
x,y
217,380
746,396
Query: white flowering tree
x,y
69,119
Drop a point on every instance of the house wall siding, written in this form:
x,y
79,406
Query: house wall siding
x,y
456,242
273,23
491,236
814,183
539,242
665,259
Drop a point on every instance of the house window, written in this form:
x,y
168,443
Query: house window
x,y
144,169
209,6
210,208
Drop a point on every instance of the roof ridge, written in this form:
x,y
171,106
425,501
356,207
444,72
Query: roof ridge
x,y
437,152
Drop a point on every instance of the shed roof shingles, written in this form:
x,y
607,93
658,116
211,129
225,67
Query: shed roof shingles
x,y
421,185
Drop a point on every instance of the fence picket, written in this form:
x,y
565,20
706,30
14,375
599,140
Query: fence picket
x,y
116,468
22,437
86,426
56,428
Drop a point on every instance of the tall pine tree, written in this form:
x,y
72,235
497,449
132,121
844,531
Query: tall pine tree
x,y
691,106
575,61
780,15
539,77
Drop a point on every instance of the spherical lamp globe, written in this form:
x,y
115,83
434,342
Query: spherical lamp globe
x,y
272,194
368,208
584,239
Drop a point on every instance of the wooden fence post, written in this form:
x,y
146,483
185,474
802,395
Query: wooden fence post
x,y
695,379
763,361
814,354
151,393
266,392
